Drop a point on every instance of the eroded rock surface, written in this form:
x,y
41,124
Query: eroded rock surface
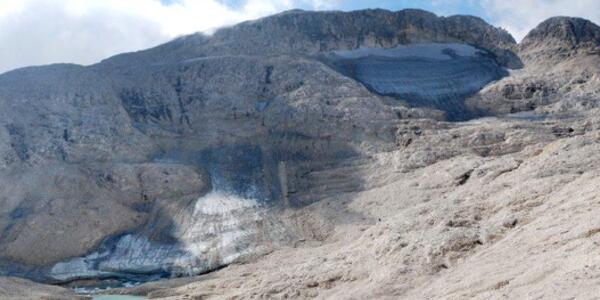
x,y
311,159
562,63
22,289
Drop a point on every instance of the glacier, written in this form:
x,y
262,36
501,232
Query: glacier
x,y
435,75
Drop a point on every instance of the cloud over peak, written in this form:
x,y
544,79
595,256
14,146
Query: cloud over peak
x,y
34,32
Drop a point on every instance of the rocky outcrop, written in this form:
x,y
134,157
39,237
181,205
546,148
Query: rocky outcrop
x,y
488,214
280,132
559,38
103,158
561,73
309,33
21,289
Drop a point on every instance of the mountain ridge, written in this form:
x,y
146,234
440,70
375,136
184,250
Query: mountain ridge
x,y
250,146
501,34
337,30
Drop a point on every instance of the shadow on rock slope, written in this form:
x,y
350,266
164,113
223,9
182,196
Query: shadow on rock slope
x,y
189,156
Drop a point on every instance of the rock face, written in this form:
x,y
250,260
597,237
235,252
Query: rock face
x,y
317,137
301,32
562,35
21,289
105,166
562,63
471,226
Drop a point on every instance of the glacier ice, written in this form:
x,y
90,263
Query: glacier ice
x,y
434,75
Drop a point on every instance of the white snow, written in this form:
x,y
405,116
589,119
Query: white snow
x,y
433,74
425,50
220,203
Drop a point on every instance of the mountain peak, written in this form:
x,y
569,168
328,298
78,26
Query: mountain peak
x,y
314,32
563,32
311,32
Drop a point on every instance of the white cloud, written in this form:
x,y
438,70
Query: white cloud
x,y
34,32
520,16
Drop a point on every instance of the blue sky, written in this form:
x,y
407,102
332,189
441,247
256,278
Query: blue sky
x,y
35,32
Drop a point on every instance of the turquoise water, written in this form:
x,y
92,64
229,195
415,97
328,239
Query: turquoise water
x,y
117,297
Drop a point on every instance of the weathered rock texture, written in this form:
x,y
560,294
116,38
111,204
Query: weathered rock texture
x,y
271,143
562,62
518,225
22,289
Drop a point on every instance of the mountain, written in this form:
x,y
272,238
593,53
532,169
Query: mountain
x,y
560,75
561,35
365,154
305,32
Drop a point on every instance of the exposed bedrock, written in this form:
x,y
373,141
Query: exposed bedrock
x,y
229,221
310,33
204,151
21,289
561,73
203,187
70,209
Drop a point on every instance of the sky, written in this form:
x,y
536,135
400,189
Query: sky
x,y
37,32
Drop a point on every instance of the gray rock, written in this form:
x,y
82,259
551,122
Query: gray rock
x,y
215,150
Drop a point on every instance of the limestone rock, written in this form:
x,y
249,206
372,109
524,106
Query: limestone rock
x,y
561,73
21,289
560,37
255,151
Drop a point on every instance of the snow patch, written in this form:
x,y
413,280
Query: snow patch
x,y
219,229
434,75
220,203
436,51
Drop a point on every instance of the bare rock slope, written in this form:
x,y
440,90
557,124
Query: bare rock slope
x,y
22,289
562,62
275,148
519,225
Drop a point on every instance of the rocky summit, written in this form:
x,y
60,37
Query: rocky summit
x,y
341,155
